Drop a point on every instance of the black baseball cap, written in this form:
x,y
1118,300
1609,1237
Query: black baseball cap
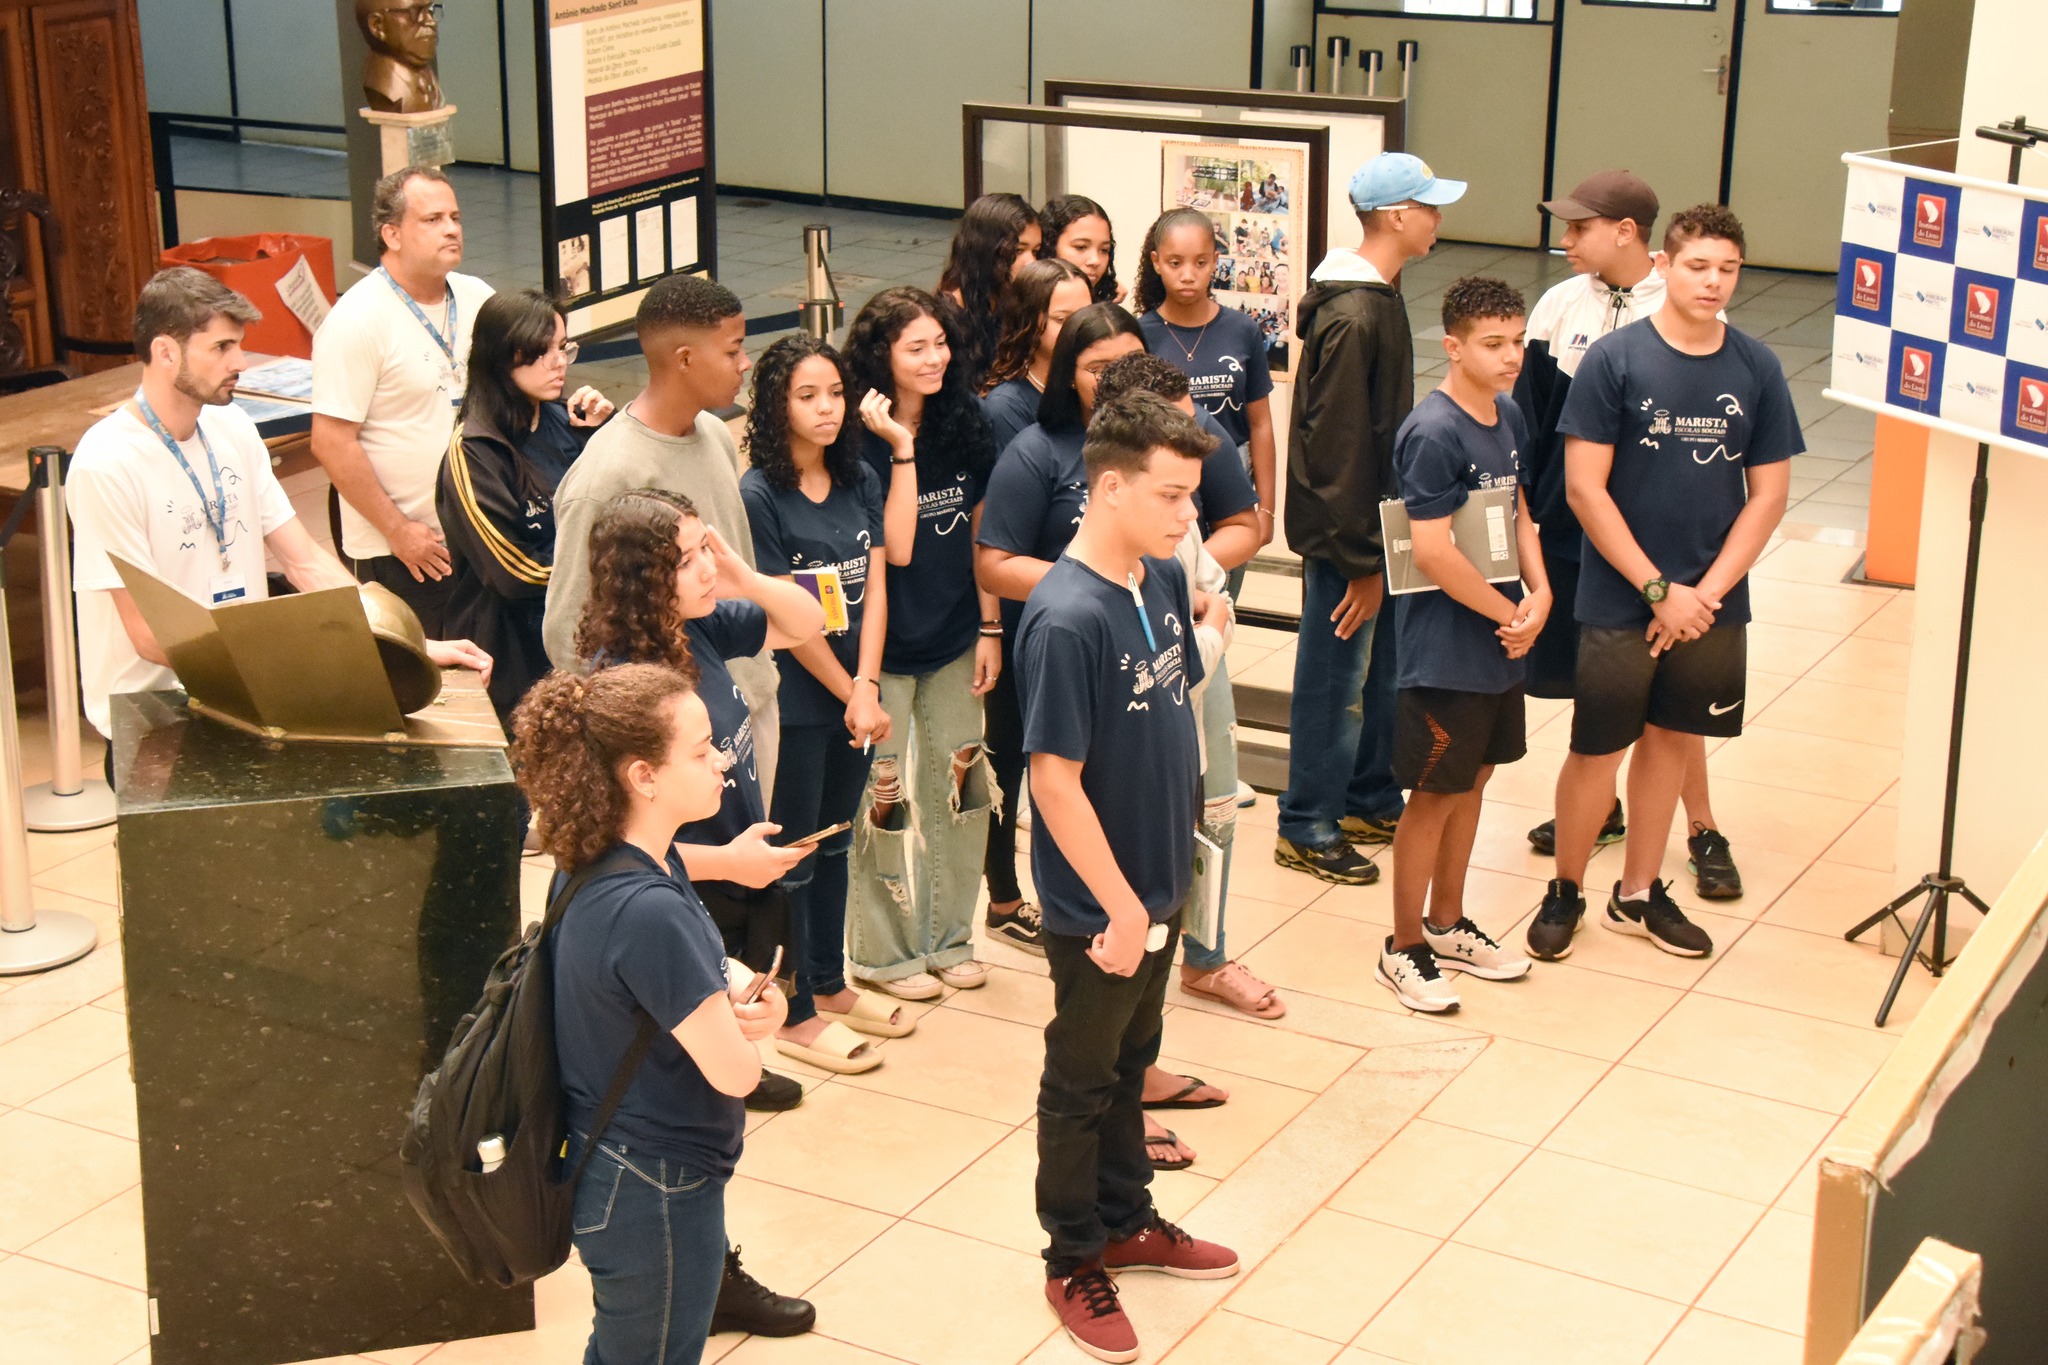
x,y
1607,194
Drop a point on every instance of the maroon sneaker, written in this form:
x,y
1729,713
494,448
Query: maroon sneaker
x,y
1165,1247
1088,1308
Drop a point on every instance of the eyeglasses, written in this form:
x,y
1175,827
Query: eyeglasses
x,y
565,353
429,13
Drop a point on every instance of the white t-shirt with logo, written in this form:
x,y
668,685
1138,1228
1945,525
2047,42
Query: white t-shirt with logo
x,y
375,363
128,497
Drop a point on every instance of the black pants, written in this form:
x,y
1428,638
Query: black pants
x,y
752,923
1002,730
428,598
1094,1179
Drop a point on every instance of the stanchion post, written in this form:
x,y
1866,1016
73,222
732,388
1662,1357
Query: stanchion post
x,y
68,801
30,940
1338,49
1370,61
1408,51
1303,58
822,310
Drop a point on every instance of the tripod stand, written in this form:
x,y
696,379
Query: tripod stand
x,y
1938,886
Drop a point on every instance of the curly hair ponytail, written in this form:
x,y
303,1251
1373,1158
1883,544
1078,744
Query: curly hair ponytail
x,y
1151,290
632,615
570,737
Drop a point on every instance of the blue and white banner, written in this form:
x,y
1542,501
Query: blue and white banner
x,y
1941,304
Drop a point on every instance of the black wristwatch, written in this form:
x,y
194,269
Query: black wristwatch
x,y
1655,590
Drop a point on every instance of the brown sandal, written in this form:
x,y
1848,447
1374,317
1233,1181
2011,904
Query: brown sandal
x,y
1233,985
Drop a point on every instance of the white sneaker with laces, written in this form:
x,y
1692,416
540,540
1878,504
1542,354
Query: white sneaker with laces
x,y
1465,947
1414,978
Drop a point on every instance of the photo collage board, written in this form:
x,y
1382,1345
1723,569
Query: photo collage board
x,y
1255,197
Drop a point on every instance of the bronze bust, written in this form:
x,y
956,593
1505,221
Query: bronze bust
x,y
404,38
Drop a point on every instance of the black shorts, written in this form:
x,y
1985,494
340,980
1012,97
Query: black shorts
x,y
1694,688
1554,658
1443,738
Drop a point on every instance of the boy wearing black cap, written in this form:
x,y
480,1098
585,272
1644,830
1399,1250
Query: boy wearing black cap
x,y
1352,390
1608,217
1679,432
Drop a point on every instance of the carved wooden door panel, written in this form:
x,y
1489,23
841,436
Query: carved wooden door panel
x,y
93,149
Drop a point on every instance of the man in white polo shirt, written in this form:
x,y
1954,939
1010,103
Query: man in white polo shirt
x,y
390,365
177,481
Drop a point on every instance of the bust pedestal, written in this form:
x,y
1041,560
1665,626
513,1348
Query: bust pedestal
x,y
303,924
423,139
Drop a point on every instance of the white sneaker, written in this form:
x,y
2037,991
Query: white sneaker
x,y
1464,947
1412,975
1246,794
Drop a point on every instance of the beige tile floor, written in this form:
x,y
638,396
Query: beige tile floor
x,y
1611,1161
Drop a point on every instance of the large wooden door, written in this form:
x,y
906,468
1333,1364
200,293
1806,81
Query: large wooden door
x,y
85,145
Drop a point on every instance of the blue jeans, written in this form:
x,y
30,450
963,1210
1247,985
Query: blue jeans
x,y
818,781
1341,718
1219,803
652,1235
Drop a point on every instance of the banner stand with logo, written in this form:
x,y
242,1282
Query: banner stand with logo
x,y
1941,318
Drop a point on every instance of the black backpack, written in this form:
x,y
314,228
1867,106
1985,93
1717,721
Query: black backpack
x,y
501,1076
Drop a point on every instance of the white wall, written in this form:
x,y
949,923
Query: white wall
x,y
185,56
2004,806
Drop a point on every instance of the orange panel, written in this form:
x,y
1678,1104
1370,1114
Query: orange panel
x,y
1898,475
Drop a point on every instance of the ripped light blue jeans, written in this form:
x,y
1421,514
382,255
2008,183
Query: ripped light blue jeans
x,y
910,908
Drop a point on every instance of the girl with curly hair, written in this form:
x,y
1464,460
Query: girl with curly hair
x,y
1076,229
915,849
612,764
1221,350
1036,305
816,507
665,588
997,237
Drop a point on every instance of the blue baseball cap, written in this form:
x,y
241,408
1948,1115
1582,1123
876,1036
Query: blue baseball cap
x,y
1398,178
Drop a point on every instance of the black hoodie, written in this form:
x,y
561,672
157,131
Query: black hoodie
x,y
1352,390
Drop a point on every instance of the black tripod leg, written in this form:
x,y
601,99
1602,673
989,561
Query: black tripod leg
x,y
1971,897
1937,903
1897,905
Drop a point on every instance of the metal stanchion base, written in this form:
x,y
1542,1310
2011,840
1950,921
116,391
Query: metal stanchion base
x,y
57,938
91,806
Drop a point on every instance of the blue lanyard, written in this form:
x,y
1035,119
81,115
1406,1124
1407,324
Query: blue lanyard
x,y
215,512
446,343
1144,619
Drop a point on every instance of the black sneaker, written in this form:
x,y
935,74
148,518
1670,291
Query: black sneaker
x,y
1369,829
1712,865
1543,838
1020,928
747,1305
1563,910
1339,863
774,1094
1659,920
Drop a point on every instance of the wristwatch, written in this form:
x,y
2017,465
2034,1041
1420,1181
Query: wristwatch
x,y
1655,590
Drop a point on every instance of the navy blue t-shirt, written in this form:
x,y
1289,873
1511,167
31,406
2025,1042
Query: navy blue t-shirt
x,y
1010,407
1103,686
934,615
1684,428
1226,487
632,940
1440,456
791,532
733,630
1225,363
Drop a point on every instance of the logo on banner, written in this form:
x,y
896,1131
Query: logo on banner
x,y
1866,290
1980,318
2041,243
1930,221
2032,412
1916,374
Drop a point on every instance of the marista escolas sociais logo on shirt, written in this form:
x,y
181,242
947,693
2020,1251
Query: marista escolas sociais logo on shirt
x,y
1165,673
946,506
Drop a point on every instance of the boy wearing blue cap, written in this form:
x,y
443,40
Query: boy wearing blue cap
x,y
1354,386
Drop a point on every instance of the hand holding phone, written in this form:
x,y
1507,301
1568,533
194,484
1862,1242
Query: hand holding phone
x,y
762,979
825,833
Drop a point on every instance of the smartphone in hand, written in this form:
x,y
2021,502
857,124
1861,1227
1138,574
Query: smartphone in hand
x,y
761,979
825,833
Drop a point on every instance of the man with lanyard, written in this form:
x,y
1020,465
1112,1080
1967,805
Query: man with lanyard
x,y
1607,218
177,481
389,370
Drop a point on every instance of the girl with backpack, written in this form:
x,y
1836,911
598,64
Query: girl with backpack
x,y
613,764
